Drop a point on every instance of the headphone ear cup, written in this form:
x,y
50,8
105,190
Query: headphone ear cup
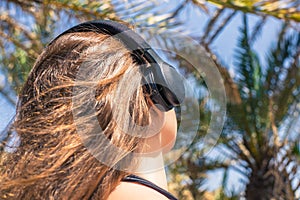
x,y
154,91
164,85
173,90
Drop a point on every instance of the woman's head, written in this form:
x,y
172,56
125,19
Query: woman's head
x,y
80,79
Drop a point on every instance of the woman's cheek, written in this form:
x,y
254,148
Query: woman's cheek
x,y
169,131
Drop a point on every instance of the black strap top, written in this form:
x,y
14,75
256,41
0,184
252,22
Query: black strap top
x,y
136,179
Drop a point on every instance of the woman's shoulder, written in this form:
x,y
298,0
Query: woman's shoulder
x,y
135,191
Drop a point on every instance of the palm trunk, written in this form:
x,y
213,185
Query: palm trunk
x,y
269,184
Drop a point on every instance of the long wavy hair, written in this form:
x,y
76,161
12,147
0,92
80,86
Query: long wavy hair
x,y
51,160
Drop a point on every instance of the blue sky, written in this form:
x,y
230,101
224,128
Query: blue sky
x,y
7,110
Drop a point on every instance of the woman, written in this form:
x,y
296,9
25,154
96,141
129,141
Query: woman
x,y
84,75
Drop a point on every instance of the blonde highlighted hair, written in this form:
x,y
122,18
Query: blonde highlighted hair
x,y
52,161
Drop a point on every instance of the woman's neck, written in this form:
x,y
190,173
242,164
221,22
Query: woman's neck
x,y
152,169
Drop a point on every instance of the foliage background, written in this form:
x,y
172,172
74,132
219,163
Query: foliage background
x,y
260,140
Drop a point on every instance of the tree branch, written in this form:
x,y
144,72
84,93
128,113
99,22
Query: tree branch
x,y
221,27
19,44
16,26
287,14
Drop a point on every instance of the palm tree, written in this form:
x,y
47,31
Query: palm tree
x,y
263,113
263,101
259,137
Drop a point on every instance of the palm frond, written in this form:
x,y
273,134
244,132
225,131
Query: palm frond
x,y
282,77
257,29
282,9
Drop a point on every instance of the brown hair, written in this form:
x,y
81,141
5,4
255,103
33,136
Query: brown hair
x,y
51,161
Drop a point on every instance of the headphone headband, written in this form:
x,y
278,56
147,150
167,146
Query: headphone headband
x,y
161,80
133,40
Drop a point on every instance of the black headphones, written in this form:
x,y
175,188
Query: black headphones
x,y
161,81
